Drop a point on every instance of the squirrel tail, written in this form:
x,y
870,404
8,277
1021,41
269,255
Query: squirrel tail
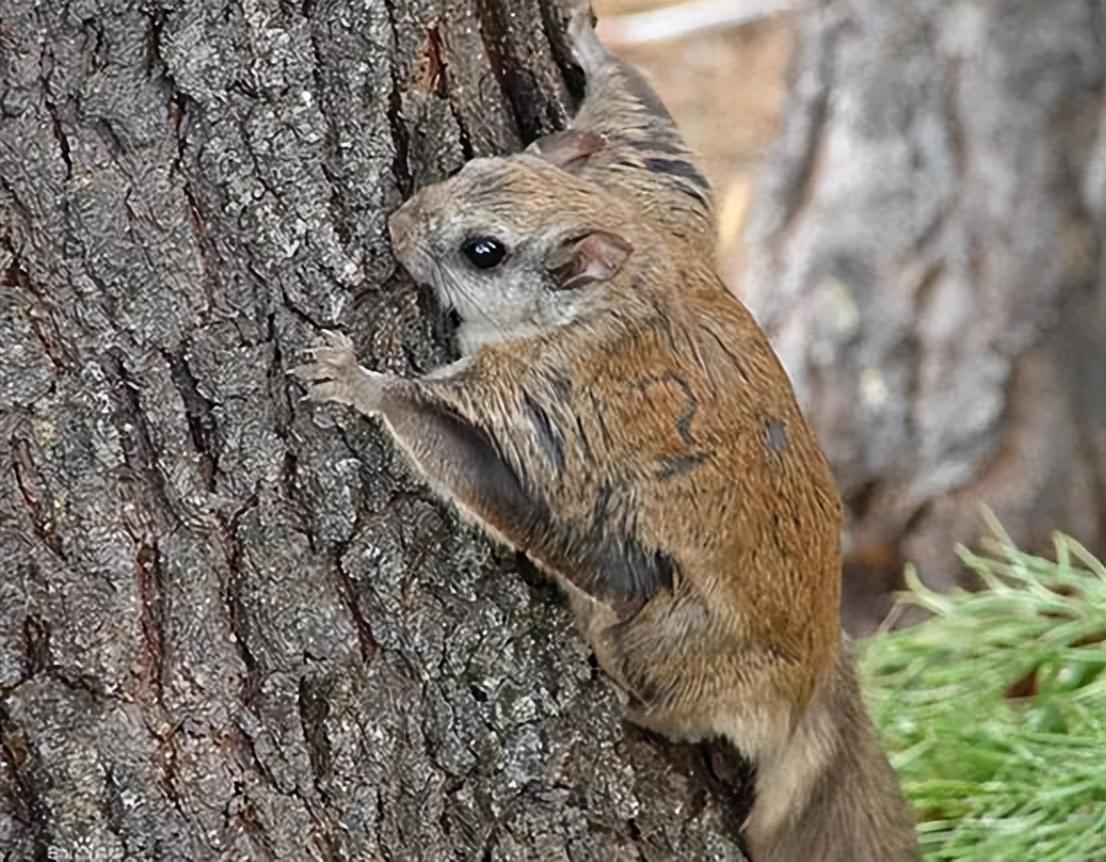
x,y
854,810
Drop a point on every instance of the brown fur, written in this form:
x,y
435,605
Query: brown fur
x,y
668,396
622,420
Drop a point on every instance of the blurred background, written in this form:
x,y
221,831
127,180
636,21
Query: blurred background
x,y
724,81
910,198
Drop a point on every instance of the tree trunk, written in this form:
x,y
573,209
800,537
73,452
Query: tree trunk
x,y
927,256
230,627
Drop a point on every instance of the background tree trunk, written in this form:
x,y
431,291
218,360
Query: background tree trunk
x,y
926,253
230,628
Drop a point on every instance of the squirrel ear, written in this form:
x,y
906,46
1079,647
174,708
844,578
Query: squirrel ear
x,y
581,260
563,148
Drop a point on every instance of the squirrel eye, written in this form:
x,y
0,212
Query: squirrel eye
x,y
484,252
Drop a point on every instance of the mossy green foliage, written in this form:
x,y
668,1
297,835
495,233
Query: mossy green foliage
x,y
994,708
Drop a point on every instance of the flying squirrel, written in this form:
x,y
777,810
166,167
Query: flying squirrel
x,y
618,416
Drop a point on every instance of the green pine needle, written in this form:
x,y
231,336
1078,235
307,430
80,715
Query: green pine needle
x,y
994,707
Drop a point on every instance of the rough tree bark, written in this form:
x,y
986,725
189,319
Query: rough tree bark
x,y
926,253
228,627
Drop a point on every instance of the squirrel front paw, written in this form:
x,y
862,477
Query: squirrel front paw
x,y
334,375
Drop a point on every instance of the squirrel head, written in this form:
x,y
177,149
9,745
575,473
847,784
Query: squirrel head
x,y
516,246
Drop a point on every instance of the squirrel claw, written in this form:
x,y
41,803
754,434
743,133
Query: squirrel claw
x,y
338,340
334,375
587,50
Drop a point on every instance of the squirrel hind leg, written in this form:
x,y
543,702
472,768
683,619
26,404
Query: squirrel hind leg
x,y
587,50
689,679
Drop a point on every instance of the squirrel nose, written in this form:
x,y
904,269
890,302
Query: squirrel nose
x,y
400,225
